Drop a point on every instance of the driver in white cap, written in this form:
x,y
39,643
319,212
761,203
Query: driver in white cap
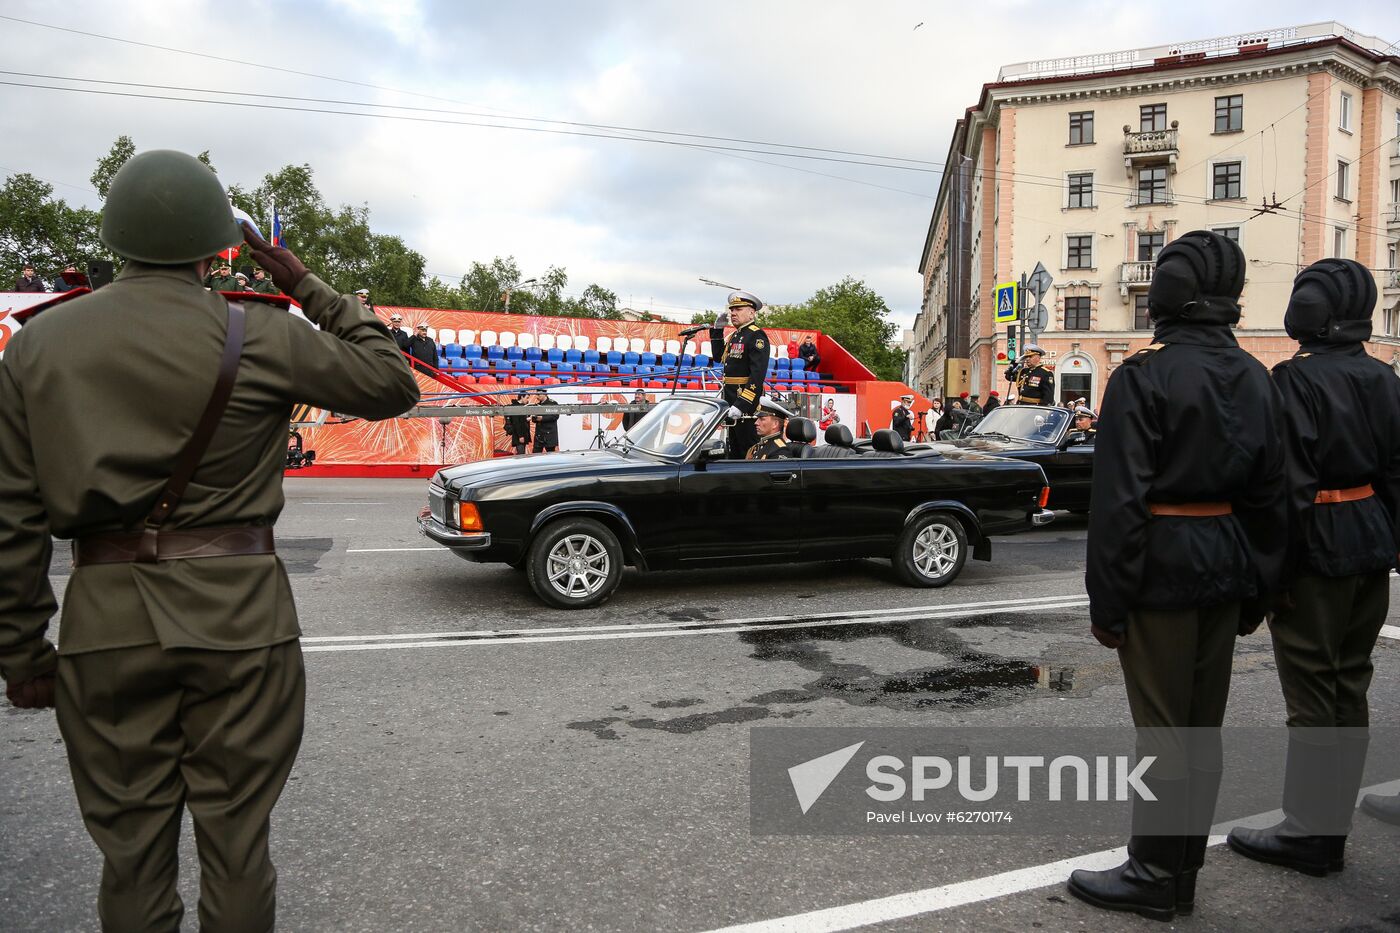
x,y
770,421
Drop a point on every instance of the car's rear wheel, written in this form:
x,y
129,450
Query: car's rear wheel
x,y
932,551
574,563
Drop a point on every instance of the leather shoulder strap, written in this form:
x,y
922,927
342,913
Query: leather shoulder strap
x,y
198,443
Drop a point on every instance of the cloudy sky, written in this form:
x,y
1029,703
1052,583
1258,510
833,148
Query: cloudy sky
x,y
641,218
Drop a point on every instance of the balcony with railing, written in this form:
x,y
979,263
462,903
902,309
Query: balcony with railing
x,y
1135,275
1392,214
1392,280
1149,147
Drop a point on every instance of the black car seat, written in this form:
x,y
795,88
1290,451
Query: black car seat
x,y
838,445
885,442
800,434
838,435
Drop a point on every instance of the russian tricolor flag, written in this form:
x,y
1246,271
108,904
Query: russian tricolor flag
x,y
276,228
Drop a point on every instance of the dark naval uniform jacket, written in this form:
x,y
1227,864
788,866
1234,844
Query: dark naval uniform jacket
x,y
93,419
768,448
1033,386
745,358
1191,420
1342,408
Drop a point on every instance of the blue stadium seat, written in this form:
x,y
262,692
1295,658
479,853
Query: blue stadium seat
x,y
590,356
687,359
564,367
648,359
472,351
573,356
627,369
614,358
533,353
494,352
514,353
630,358
702,359
554,355
450,350
784,363
798,364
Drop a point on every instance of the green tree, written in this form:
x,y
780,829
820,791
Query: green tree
x,y
38,228
851,313
122,150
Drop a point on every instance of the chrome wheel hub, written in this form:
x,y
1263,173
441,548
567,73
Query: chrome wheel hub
x,y
935,550
577,566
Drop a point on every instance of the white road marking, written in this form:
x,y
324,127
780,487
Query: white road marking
x,y
669,629
377,550
352,502
1390,631
976,890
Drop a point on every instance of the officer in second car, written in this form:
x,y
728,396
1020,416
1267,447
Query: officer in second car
x,y
1185,534
745,358
1035,385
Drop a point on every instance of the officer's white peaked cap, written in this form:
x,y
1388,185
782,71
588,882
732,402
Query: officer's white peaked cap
x,y
767,404
745,299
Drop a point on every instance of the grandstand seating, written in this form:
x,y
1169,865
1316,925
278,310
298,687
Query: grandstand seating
x,y
507,358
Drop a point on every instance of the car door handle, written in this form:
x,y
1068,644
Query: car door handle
x,y
782,479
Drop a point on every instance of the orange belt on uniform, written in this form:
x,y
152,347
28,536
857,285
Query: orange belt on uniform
x,y
1190,509
1333,496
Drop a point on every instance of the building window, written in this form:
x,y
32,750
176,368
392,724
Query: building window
x,y
1152,118
1344,113
1229,233
1339,242
1081,189
1397,134
1229,113
1149,245
1080,252
1142,320
1152,185
1343,179
1081,128
1076,314
1225,181
1388,320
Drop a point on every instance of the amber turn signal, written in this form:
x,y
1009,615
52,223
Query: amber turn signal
x,y
1044,496
468,518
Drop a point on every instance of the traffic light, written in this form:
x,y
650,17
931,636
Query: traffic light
x,y
1011,342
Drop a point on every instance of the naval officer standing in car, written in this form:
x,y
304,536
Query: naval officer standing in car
x,y
1035,385
745,358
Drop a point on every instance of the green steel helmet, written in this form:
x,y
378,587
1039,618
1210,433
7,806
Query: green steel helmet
x,y
167,208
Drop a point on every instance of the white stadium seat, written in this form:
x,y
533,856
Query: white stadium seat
x,y
637,345
658,346
448,335
673,346
546,341
525,340
507,338
581,342
564,342
780,351
605,344
466,336
488,338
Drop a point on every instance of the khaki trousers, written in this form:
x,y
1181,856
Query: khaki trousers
x,y
1323,647
150,732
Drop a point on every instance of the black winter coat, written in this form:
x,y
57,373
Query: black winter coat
x,y
1341,407
1193,419
547,432
423,349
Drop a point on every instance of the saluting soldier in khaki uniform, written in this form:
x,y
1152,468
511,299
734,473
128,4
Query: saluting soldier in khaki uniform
x,y
178,678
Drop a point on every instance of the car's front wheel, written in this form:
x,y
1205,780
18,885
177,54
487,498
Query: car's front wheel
x,y
574,563
932,551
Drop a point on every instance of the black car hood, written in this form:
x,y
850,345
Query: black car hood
x,y
536,466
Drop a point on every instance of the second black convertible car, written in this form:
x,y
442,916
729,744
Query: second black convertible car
x,y
665,497
1043,435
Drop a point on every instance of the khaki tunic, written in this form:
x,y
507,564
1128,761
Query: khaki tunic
x,y
97,398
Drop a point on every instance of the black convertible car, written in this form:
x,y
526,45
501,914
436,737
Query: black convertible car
x,y
665,497
1043,435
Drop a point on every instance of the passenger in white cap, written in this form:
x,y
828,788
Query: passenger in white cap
x,y
770,421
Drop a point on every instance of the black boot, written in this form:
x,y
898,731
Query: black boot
x,y
1146,884
1301,841
1351,764
1385,809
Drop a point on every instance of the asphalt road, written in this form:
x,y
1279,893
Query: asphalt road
x,y
589,779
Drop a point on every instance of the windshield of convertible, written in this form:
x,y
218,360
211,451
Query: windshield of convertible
x,y
1028,423
671,427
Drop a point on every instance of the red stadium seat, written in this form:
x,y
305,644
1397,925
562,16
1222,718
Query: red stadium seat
x,y
532,381
655,384
551,381
486,380
511,380
613,384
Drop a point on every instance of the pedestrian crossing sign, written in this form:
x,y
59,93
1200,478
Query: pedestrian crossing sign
x,y
1006,310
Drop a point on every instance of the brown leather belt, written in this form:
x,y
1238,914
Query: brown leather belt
x,y
178,544
1190,509
1333,496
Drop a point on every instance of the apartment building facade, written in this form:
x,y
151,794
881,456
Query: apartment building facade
x,y
1287,141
